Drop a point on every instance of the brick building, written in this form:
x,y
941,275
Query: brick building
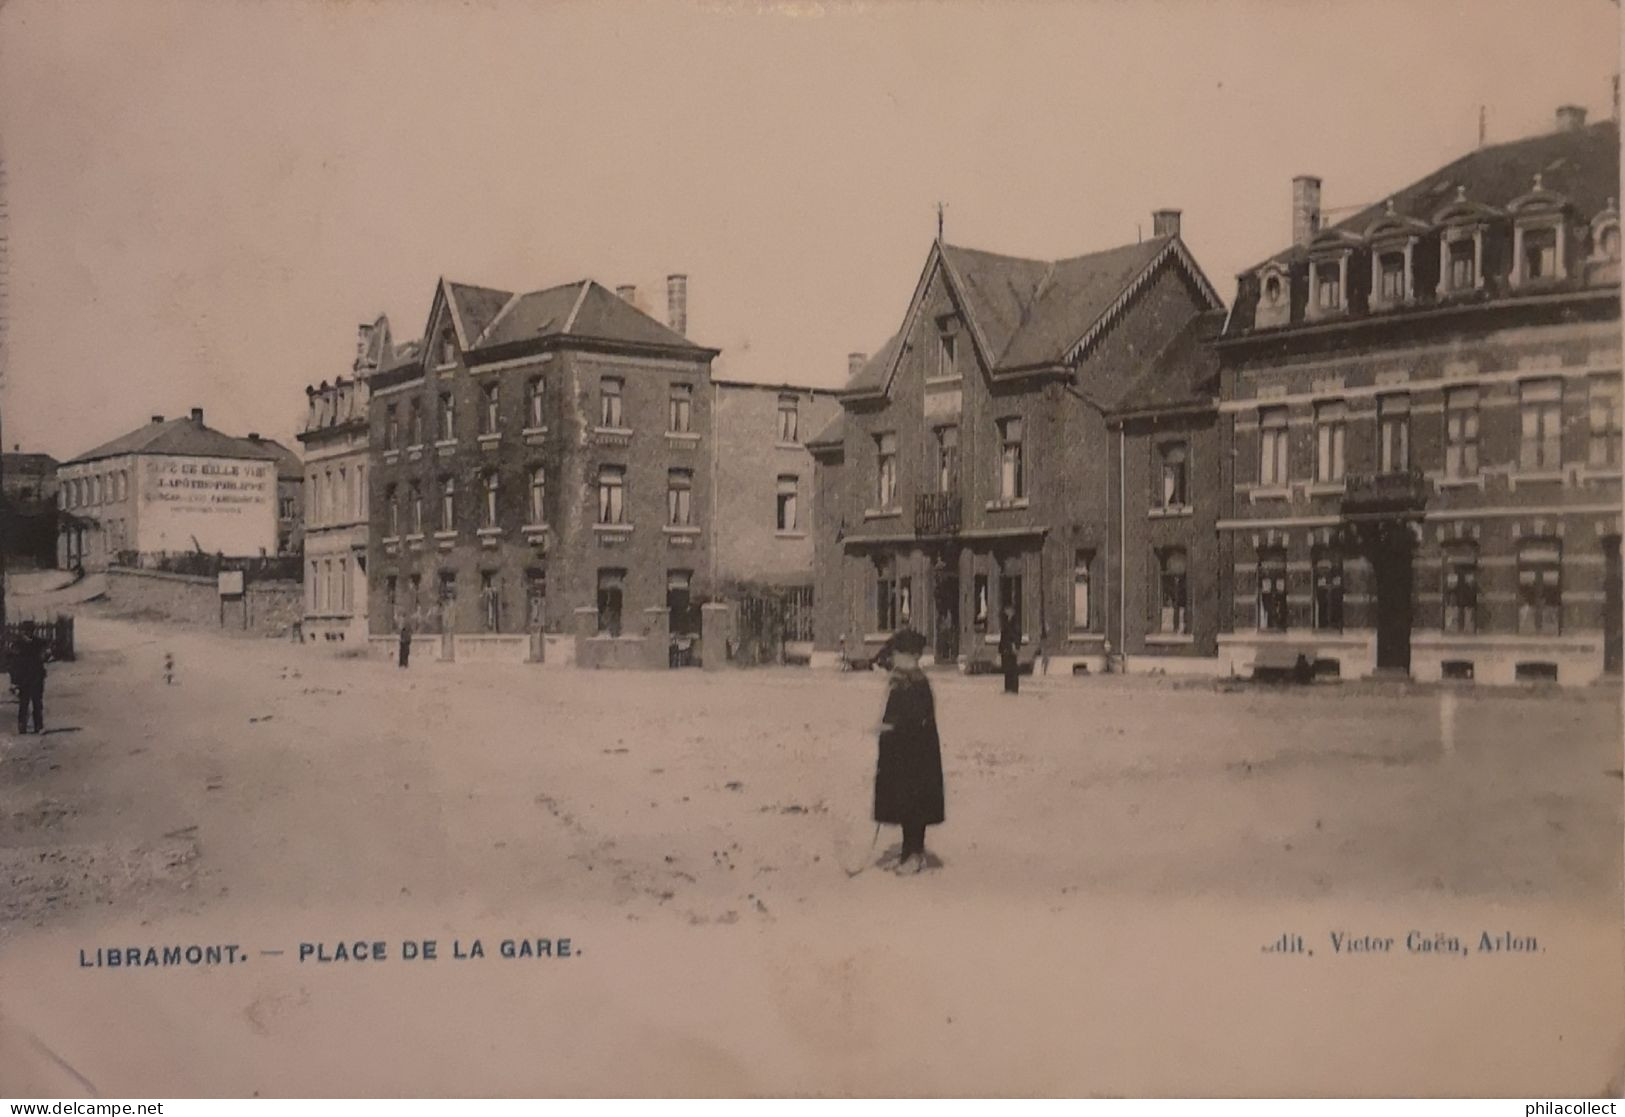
x,y
1420,425
336,501
28,512
539,472
970,465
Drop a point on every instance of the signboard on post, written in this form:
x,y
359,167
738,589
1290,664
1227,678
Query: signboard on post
x,y
231,583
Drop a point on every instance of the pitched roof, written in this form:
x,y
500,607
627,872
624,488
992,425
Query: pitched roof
x,y
182,438
1035,313
1580,164
475,307
1183,373
585,309
289,465
833,434
17,461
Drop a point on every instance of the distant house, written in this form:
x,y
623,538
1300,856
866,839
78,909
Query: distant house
x,y
28,513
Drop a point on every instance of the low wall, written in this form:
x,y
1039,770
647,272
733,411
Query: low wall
x,y
614,652
268,608
491,648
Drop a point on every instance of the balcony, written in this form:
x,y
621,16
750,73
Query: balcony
x,y
937,514
1385,494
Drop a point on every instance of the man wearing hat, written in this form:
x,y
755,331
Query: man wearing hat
x,y
908,773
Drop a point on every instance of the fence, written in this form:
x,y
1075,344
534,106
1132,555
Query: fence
x,y
769,619
57,634
270,568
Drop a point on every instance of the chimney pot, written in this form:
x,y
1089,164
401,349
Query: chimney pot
x,y
677,303
629,292
157,418
855,363
1570,118
197,415
1305,209
253,436
1165,223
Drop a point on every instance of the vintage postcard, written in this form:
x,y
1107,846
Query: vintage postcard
x,y
907,549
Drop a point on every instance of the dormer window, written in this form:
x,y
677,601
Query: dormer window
x,y
1540,254
1603,266
1461,244
1328,289
1274,296
1393,238
1272,290
1391,276
1328,284
1608,244
1463,264
1539,235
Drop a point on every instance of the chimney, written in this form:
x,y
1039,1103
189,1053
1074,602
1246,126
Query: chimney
x,y
362,340
157,418
855,363
629,292
1165,222
197,415
1305,209
677,303
1570,118
253,436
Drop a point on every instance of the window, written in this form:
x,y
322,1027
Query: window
x,y
285,508
886,470
1461,433
490,601
1540,446
979,602
448,592
362,502
313,497
1082,561
391,589
1174,592
392,426
448,504
789,419
1012,467
417,508
448,417
1394,433
947,351
535,417
538,495
328,497
1172,493
417,590
1540,253
1272,615
1331,434
905,601
679,497
1391,276
1463,264
491,411
947,459
392,510
611,587
609,402
1328,286
1010,595
1610,243
1272,290
1272,446
416,422
682,408
344,586
313,586
448,347
1461,591
535,598
786,519
611,493
885,595
1328,603
492,485
1602,405
1540,589
342,497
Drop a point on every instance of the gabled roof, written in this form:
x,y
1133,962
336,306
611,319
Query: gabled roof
x,y
182,438
1582,165
1035,314
473,308
490,320
1185,373
832,436
16,461
289,465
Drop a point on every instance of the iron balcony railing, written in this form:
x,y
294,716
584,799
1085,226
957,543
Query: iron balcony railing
x,y
1397,490
937,514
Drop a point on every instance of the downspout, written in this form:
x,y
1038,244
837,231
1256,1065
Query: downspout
x,y
1122,548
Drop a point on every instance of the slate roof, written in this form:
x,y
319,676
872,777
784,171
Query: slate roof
x,y
833,434
1184,373
1582,165
289,466
475,307
20,462
182,438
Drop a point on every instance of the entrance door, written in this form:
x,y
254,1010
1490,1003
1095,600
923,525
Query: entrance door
x,y
947,618
1612,605
1391,562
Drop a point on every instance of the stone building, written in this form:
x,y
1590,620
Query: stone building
x,y
970,466
28,512
1420,425
539,477
336,503
170,487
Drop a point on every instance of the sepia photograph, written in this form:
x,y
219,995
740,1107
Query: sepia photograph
x,y
810,549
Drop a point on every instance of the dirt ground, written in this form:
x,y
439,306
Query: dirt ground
x,y
1118,855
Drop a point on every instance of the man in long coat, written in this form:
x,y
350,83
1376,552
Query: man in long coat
x,y
28,671
406,643
908,774
1009,645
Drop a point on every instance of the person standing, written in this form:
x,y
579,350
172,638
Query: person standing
x,y
28,670
908,771
1009,645
406,642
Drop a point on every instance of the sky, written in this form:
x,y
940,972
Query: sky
x,y
205,198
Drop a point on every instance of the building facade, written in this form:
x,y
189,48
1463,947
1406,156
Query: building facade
x,y
335,504
969,468
539,471
170,487
1420,425
28,511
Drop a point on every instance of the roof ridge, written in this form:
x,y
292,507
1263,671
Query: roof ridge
x,y
586,285
513,301
1028,306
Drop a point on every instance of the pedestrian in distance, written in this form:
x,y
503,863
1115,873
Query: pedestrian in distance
x,y
1009,645
406,643
28,671
908,771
